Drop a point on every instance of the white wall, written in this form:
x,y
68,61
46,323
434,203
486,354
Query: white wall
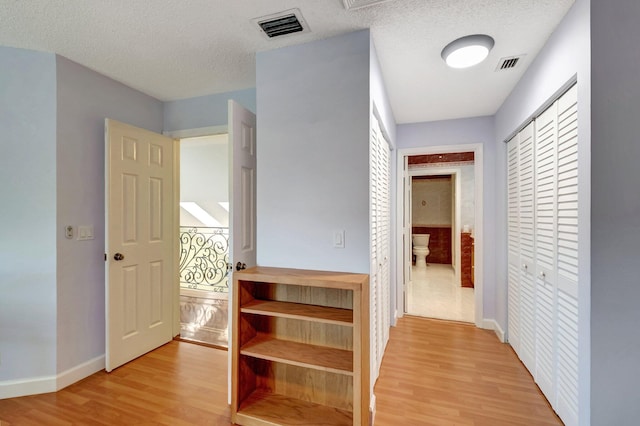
x,y
204,176
85,99
565,55
478,130
313,154
28,211
615,212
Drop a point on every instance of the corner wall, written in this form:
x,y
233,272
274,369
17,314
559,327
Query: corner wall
x,y
28,211
313,154
615,212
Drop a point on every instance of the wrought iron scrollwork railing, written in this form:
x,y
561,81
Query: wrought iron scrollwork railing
x,y
204,258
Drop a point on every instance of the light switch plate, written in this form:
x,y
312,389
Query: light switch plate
x,y
85,232
338,238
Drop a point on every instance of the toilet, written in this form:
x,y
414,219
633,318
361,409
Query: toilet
x,y
420,249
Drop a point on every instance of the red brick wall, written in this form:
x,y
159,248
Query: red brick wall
x,y
466,246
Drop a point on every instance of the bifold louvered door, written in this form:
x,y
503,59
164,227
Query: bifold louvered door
x,y
542,229
521,307
568,348
380,178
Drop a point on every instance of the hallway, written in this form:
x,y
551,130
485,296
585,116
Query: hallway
x,y
433,292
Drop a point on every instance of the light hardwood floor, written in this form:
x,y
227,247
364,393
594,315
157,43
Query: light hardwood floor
x,y
433,373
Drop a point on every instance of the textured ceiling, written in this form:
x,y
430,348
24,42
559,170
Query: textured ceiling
x,y
174,49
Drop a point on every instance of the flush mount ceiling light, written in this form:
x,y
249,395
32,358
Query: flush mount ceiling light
x,y
467,51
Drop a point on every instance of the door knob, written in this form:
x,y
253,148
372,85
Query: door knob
x,y
240,266
118,256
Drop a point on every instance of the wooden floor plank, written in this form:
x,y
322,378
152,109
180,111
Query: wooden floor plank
x,y
444,373
433,373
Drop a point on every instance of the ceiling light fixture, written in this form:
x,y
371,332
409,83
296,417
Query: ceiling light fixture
x,y
467,51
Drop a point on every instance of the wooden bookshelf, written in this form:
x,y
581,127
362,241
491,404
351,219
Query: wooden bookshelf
x,y
300,347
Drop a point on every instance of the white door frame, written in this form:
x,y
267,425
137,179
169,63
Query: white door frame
x,y
478,225
457,201
177,135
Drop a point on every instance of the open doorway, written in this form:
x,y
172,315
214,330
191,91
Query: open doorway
x,y
441,207
442,200
204,239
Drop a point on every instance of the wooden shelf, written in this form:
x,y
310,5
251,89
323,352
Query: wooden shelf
x,y
323,279
269,409
321,358
300,311
300,348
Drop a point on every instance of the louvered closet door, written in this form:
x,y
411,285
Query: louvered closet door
x,y
384,231
542,202
380,236
513,247
546,137
526,224
567,259
374,281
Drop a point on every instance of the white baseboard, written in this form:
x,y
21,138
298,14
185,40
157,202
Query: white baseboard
x,y
34,386
79,372
31,386
491,324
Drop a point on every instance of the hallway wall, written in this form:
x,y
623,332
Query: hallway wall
x,y
313,139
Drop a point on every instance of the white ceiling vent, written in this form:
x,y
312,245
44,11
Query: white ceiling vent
x,y
282,23
509,62
357,4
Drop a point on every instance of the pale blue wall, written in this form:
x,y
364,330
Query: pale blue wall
x,y
205,111
615,212
28,213
85,99
313,154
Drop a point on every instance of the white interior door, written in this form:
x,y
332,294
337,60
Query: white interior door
x,y
139,214
242,193
242,198
406,232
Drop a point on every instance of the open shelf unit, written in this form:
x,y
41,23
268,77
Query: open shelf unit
x,y
300,347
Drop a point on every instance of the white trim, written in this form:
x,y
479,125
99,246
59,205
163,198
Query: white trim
x,y
47,384
32,386
491,324
478,227
200,131
79,372
372,409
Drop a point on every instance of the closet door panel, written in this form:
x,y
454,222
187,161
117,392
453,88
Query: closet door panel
x,y
545,253
567,259
527,246
513,246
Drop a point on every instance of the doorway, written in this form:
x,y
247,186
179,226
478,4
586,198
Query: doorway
x,y
459,226
440,194
204,239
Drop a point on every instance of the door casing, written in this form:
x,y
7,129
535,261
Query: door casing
x,y
478,225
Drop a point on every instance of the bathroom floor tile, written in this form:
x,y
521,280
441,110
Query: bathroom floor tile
x,y
434,293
